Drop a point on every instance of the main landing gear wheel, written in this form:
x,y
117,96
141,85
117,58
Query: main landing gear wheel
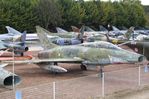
x,y
55,63
22,54
101,71
83,67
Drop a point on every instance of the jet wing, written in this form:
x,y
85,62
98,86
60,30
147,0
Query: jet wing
x,y
35,61
2,45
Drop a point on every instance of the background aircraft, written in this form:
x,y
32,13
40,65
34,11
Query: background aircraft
x,y
11,35
60,30
15,42
141,47
63,41
94,56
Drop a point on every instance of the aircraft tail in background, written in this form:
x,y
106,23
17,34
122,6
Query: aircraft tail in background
x,y
60,30
129,32
75,29
12,31
46,43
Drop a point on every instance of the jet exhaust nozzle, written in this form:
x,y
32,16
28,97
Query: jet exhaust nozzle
x,y
21,49
26,48
6,79
141,58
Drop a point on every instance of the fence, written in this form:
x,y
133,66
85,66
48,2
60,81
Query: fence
x,y
88,87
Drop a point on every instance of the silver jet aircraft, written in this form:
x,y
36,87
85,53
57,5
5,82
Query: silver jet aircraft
x,y
15,42
11,35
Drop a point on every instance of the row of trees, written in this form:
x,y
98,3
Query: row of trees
x,y
26,14
146,8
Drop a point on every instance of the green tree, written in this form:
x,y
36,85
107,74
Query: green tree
x,y
72,12
92,15
135,13
18,14
48,13
120,15
108,13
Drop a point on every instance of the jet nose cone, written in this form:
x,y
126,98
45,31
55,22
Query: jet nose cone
x,y
135,58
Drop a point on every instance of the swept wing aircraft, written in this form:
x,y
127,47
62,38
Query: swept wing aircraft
x,y
63,41
85,33
16,43
70,38
11,35
60,34
70,41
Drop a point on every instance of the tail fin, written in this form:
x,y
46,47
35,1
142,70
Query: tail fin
x,y
60,30
129,32
81,32
115,28
20,38
23,37
21,46
41,32
88,29
12,31
17,36
75,29
102,28
108,38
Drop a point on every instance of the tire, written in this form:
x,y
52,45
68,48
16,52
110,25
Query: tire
x,y
83,67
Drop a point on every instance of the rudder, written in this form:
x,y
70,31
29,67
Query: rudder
x,y
46,43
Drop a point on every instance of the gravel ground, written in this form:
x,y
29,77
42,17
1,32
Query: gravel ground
x,y
77,84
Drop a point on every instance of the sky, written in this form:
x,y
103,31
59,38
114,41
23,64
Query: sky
x,y
144,2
